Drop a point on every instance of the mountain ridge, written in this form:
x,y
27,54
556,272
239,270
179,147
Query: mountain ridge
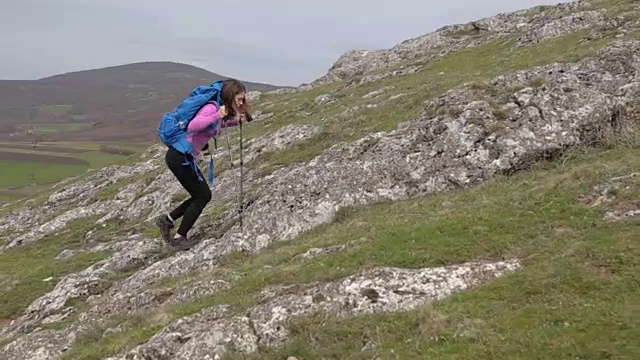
x,y
151,65
101,100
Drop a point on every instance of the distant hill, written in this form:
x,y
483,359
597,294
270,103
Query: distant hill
x,y
121,102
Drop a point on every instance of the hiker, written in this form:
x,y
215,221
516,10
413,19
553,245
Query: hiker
x,y
206,124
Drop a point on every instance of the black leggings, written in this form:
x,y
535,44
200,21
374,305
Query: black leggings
x,y
186,171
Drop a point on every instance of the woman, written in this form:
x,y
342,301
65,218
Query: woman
x,y
185,169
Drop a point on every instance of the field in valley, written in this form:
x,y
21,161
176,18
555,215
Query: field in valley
x,y
26,168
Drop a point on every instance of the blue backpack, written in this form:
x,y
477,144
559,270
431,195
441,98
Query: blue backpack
x,y
172,130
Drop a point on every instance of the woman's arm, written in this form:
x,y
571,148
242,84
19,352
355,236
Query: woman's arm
x,y
206,116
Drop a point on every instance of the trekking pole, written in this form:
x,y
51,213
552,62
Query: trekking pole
x,y
241,173
231,162
229,148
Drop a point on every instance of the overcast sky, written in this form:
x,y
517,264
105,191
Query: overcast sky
x,y
284,42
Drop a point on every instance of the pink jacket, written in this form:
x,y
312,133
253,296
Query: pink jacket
x,y
204,126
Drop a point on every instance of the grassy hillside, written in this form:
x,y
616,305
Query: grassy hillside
x,y
110,289
574,299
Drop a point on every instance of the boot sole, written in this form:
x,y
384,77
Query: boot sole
x,y
183,247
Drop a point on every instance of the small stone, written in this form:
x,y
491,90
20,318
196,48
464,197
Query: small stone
x,y
324,99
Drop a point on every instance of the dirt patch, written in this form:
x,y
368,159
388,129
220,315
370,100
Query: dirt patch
x,y
615,196
115,150
624,210
40,158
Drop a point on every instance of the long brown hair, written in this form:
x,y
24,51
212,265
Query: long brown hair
x,y
231,88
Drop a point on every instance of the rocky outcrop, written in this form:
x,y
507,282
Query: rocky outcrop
x,y
564,25
281,139
218,330
536,24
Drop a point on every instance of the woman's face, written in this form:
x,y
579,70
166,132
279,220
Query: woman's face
x,y
239,101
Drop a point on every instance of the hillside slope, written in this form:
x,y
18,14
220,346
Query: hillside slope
x,y
479,204
114,103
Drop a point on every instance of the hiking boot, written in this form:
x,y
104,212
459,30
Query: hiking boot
x,y
183,243
165,226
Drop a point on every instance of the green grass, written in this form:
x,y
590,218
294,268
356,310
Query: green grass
x,y
22,173
614,7
23,269
98,159
55,109
95,145
96,347
52,128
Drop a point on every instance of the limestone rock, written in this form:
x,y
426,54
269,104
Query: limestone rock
x,y
281,139
378,92
253,95
562,26
261,116
324,99
40,345
217,331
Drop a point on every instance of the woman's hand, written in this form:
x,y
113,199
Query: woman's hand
x,y
222,111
